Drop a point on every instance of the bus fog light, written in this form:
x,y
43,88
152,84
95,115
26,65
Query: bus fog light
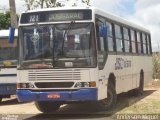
x,y
86,84
31,85
23,85
78,85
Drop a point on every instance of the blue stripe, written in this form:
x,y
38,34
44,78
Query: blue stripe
x,y
8,75
70,96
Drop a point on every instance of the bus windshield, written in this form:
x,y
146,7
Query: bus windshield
x,y
63,45
8,52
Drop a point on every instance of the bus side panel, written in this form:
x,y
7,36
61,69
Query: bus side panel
x,y
8,78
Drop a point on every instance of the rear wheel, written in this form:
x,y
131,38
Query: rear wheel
x,y
139,91
47,107
111,99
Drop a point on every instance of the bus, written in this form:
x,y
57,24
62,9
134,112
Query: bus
x,y
78,55
8,65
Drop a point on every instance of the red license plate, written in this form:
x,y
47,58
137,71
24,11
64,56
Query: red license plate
x,y
54,96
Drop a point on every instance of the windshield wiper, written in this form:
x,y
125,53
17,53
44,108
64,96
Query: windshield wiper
x,y
65,35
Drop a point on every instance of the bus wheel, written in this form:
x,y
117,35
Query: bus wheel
x,y
111,99
0,99
139,90
47,107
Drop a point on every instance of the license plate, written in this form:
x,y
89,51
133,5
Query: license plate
x,y
53,96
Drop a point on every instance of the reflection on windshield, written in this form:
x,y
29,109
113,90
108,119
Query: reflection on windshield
x,y
62,43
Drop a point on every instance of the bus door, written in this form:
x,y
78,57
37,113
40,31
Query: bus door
x,y
101,35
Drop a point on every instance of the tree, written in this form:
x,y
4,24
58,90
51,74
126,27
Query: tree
x,y
87,2
156,65
33,4
4,20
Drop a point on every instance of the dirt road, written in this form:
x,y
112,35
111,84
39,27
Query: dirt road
x,y
147,104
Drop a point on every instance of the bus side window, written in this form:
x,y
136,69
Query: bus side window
x,y
139,43
133,41
126,39
118,35
110,42
149,45
144,43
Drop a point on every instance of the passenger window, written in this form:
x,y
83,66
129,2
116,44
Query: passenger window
x,y
110,37
126,39
133,41
139,42
148,45
118,35
144,43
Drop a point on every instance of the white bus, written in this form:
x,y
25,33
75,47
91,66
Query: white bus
x,y
79,55
8,65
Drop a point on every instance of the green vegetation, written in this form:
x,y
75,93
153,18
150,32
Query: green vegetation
x,y
156,65
33,4
143,107
4,20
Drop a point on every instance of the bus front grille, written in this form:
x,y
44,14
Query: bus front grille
x,y
54,84
52,74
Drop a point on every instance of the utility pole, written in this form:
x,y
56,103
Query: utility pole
x,y
13,13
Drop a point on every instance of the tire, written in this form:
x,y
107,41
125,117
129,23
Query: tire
x,y
111,99
139,91
47,107
0,99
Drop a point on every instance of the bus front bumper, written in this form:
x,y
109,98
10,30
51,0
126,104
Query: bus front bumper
x,y
64,96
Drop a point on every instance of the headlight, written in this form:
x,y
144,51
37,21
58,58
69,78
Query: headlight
x,y
85,84
78,85
25,85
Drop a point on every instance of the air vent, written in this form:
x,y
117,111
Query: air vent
x,y
52,74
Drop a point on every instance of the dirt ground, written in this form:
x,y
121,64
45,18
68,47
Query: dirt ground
x,y
148,103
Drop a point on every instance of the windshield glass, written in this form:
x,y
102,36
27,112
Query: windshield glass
x,y
63,45
8,52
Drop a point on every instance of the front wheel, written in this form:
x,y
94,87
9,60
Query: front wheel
x,y
0,99
47,107
111,99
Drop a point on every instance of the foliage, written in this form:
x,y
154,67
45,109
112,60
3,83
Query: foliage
x,y
4,20
33,4
87,2
156,65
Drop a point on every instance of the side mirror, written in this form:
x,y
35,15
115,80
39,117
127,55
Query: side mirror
x,y
11,35
103,30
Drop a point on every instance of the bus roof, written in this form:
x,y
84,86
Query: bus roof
x,y
5,33
98,12
120,20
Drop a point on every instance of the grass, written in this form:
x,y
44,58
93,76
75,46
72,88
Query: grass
x,y
143,107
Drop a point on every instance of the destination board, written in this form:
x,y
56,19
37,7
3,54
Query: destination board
x,y
56,16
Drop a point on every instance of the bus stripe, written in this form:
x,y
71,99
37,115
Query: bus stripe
x,y
7,75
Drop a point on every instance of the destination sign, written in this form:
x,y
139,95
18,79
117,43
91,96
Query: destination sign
x,y
66,16
55,16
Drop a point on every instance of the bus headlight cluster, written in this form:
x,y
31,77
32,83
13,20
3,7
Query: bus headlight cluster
x,y
25,85
85,84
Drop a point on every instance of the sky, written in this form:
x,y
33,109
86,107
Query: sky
x,y
143,12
